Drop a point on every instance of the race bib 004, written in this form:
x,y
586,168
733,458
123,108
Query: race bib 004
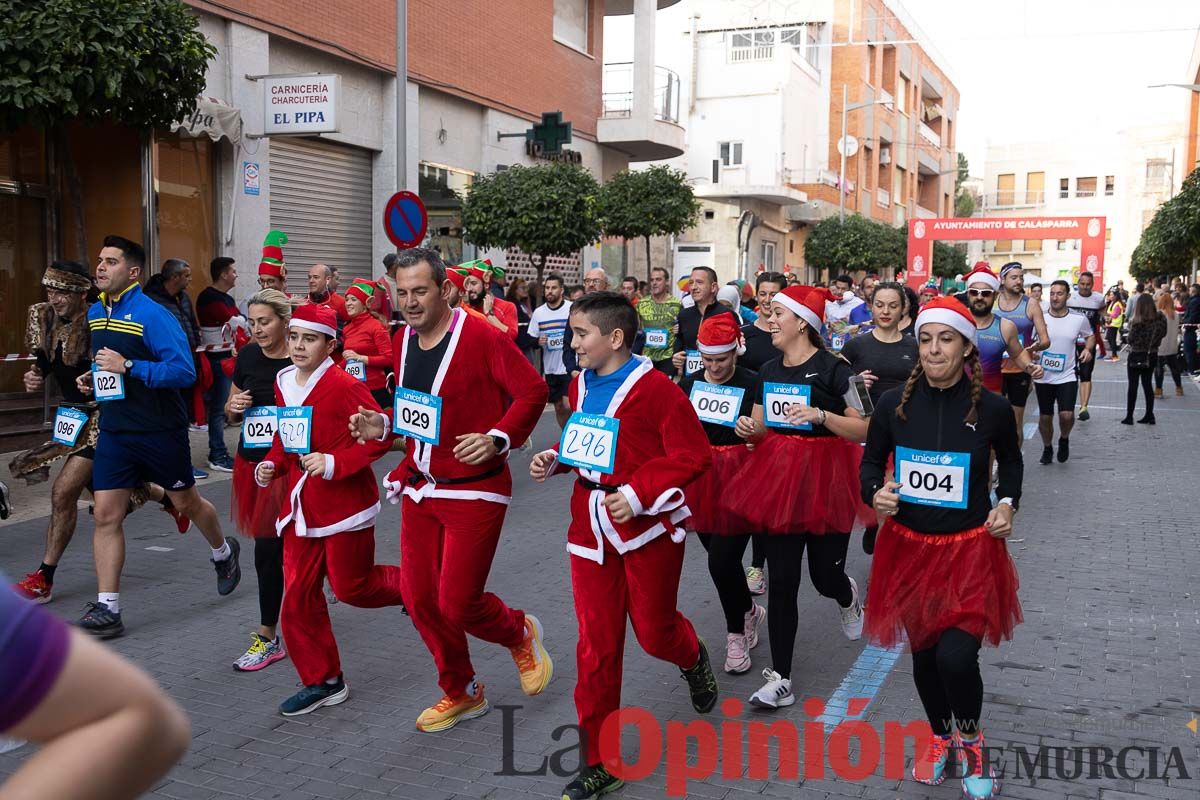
x,y
295,428
418,415
589,441
258,427
933,478
716,403
778,399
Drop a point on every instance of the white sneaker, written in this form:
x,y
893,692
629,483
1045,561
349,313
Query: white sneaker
x,y
852,617
737,655
754,618
777,692
756,582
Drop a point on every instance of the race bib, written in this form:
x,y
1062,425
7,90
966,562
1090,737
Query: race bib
x,y
656,338
107,385
258,427
716,403
693,362
589,441
418,415
356,369
778,399
68,424
932,478
554,341
1054,362
837,342
295,428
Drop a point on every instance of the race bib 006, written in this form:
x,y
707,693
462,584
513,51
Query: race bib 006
x,y
715,403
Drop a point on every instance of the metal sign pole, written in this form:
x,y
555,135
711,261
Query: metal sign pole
x,y
401,95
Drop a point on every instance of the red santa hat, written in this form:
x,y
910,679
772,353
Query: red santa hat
x,y
312,317
720,334
947,311
982,274
806,302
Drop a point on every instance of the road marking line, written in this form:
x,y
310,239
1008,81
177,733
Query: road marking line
x,y
158,549
862,682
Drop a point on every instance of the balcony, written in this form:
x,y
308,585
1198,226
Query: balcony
x,y
927,133
621,8
883,198
1010,198
886,98
642,136
925,213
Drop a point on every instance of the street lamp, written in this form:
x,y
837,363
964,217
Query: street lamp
x,y
842,146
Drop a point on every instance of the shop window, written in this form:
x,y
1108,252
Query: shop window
x,y
441,189
108,162
186,200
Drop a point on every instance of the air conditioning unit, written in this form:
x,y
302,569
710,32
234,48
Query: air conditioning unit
x,y
885,155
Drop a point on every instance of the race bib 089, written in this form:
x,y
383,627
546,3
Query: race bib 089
x,y
716,403
778,399
418,415
933,478
656,338
295,428
589,441
258,427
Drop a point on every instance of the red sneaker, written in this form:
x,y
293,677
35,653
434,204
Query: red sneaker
x,y
35,588
182,524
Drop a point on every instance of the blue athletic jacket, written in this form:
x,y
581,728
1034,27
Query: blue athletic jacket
x,y
149,336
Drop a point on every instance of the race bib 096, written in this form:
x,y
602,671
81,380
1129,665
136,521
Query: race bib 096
x,y
68,424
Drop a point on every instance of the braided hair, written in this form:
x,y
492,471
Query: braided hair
x,y
972,367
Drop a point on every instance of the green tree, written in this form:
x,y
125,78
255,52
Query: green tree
x,y
1172,239
948,260
652,202
964,201
854,244
546,210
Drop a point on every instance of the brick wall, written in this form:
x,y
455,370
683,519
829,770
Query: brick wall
x,y
500,53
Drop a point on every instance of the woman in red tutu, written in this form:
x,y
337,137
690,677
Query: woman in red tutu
x,y
721,393
799,485
942,576
255,508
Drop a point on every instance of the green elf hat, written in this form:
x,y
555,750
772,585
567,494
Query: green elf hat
x,y
272,254
362,290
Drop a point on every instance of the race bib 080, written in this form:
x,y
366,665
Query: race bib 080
x,y
716,403
258,427
1054,362
933,478
778,399
589,441
418,415
295,428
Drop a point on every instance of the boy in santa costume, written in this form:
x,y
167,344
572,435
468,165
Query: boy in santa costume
x,y
464,395
635,442
328,518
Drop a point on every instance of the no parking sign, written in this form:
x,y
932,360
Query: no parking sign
x,y
405,220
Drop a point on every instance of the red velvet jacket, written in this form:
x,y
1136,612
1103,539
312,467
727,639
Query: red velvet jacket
x,y
369,337
487,386
661,448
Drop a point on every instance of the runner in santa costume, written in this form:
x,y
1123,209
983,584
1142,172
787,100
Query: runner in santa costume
x,y
941,576
799,484
721,393
478,296
627,520
457,278
328,519
464,395
366,343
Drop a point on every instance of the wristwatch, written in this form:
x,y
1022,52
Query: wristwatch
x,y
128,365
499,442
1007,501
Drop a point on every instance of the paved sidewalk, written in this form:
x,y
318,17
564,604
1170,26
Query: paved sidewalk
x,y
1105,546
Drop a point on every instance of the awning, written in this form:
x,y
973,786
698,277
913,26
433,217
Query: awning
x,y
211,118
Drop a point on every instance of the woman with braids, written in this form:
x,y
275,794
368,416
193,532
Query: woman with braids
x,y
252,400
798,486
942,576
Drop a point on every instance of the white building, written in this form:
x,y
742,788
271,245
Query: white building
x,y
1124,178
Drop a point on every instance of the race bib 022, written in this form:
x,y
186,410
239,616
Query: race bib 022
x,y
107,385
933,478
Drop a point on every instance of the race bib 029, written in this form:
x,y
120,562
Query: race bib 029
x,y
933,478
295,428
68,424
107,385
716,403
778,399
258,427
589,441
418,415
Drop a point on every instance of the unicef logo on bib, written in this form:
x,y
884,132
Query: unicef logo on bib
x,y
932,478
1054,362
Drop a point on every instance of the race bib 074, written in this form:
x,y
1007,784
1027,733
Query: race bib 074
x,y
418,415
589,441
778,399
933,478
716,403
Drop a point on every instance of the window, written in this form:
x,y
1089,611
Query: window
x,y
812,49
1003,246
1062,244
571,23
710,214
1064,189
1109,185
751,45
872,76
803,40
1085,187
1156,173
1035,186
902,96
731,154
1004,188
768,256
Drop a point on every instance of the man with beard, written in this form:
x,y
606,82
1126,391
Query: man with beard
x,y
498,311
996,335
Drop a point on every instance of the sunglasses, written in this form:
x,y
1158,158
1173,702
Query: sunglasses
x,y
984,293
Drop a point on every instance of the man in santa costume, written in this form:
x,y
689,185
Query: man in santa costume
x,y
464,395
499,312
328,518
627,520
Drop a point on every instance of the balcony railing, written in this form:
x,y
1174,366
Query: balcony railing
x,y
883,198
886,97
927,133
1011,198
618,92
761,52
925,213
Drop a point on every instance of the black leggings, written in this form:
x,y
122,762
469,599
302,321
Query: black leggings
x,y
725,566
758,550
268,563
949,683
1110,334
826,569
1139,375
1171,361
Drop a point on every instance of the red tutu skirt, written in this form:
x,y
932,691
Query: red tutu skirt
x,y
253,508
707,496
800,484
923,584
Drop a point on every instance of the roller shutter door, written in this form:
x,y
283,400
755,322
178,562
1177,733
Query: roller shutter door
x,y
321,198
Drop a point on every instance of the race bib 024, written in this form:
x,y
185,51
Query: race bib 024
x,y
418,415
589,441
258,427
778,399
716,403
933,478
